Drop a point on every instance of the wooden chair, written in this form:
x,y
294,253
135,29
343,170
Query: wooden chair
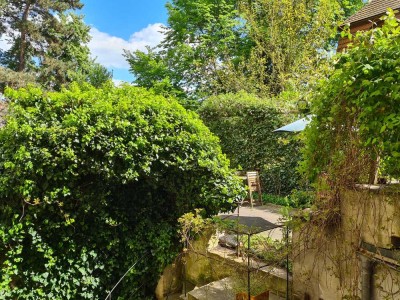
x,y
253,181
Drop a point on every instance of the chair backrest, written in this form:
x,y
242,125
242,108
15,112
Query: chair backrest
x,y
253,180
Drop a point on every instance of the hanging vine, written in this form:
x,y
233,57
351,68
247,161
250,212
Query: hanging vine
x,y
354,137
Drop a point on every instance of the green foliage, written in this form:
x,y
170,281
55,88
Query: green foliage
x,y
200,37
34,22
14,79
46,274
245,123
191,224
356,110
151,70
275,199
93,181
301,198
349,7
208,34
67,54
290,38
272,252
46,40
296,199
9,59
260,46
97,74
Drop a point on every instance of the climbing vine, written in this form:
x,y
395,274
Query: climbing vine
x,y
356,111
353,138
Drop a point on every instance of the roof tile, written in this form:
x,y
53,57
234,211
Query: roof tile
x,y
372,9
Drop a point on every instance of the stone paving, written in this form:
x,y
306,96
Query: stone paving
x,y
217,290
270,213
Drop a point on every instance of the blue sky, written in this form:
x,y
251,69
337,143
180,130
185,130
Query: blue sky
x,y
117,25
122,24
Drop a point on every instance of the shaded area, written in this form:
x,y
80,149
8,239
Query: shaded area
x,y
249,225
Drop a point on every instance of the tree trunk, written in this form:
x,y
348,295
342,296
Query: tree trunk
x,y
22,50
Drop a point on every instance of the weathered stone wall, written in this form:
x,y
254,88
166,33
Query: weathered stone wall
x,y
206,262
327,259
170,281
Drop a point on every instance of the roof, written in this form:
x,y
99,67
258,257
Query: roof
x,y
373,9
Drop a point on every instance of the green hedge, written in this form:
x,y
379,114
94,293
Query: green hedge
x,y
244,124
93,181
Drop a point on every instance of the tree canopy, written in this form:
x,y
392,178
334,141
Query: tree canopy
x,y
47,40
200,35
260,46
93,181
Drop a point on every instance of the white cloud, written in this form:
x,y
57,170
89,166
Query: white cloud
x,y
108,49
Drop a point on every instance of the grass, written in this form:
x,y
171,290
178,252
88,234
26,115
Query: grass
x,y
275,199
297,199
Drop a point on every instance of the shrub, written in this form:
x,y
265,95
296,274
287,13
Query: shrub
x,y
93,182
244,124
297,199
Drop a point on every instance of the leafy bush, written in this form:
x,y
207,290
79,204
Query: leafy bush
x,y
245,124
301,198
275,199
93,182
357,111
296,199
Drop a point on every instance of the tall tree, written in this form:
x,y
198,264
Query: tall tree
x,y
25,23
199,37
290,37
66,55
262,46
46,38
